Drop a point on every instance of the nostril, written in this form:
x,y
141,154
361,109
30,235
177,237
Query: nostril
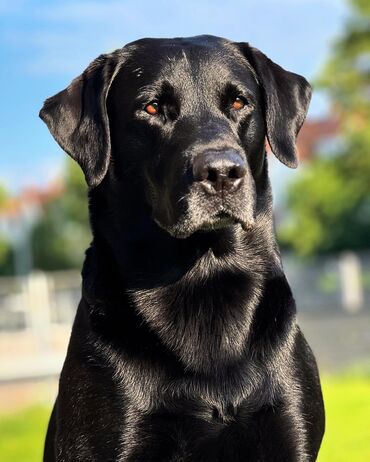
x,y
236,172
212,175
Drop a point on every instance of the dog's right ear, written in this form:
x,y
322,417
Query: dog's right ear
x,y
78,120
286,99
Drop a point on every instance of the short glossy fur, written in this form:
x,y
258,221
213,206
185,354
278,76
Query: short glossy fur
x,y
185,345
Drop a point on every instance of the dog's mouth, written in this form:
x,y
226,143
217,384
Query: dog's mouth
x,y
219,221
196,218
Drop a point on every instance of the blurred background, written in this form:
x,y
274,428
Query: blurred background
x,y
322,209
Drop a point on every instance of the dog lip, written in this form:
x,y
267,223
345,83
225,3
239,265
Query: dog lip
x,y
223,216
226,218
220,220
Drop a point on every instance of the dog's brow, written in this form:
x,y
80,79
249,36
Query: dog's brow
x,y
253,72
154,90
239,86
148,91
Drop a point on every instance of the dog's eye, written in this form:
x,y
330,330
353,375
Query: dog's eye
x,y
152,108
239,103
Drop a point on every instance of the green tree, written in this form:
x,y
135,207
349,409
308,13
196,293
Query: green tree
x,y
6,256
3,196
330,200
61,237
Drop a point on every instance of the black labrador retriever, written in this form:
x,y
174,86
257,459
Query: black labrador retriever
x,y
185,345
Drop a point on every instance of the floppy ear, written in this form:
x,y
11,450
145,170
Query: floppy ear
x,y
77,117
286,98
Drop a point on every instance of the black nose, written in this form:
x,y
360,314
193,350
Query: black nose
x,y
219,171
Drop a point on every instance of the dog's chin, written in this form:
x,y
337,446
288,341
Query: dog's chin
x,y
220,221
186,228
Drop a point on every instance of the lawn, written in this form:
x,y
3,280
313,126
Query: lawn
x,y
22,433
347,403
347,438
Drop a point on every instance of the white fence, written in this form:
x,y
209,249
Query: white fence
x,y
38,300
36,313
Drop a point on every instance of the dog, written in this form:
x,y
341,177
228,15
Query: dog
x,y
185,345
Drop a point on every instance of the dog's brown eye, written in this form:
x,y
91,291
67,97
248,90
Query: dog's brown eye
x,y
238,103
152,108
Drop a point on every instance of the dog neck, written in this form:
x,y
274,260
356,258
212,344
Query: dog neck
x,y
185,294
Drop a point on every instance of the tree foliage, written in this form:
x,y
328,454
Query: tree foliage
x,y
3,196
330,200
60,238
6,255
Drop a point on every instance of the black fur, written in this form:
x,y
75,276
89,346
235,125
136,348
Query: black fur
x,y
185,345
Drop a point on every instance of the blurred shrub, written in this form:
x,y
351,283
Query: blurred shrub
x,y
62,235
330,200
3,196
6,257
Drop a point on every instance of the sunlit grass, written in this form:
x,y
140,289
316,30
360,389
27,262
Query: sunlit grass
x,y
347,437
22,434
347,403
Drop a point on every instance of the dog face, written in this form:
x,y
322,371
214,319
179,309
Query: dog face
x,y
186,121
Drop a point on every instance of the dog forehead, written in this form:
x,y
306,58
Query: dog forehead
x,y
202,58
163,45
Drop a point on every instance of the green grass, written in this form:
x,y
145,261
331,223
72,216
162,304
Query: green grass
x,y
347,406
22,435
347,437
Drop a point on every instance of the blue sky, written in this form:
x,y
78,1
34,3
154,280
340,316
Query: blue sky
x,y
44,44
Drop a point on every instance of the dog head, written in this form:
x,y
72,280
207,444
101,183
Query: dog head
x,y
185,120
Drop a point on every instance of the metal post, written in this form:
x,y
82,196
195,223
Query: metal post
x,y
39,309
351,282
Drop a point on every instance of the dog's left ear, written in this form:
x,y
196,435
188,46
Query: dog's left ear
x,y
78,120
286,98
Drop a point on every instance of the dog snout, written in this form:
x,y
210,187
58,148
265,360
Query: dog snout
x,y
219,171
